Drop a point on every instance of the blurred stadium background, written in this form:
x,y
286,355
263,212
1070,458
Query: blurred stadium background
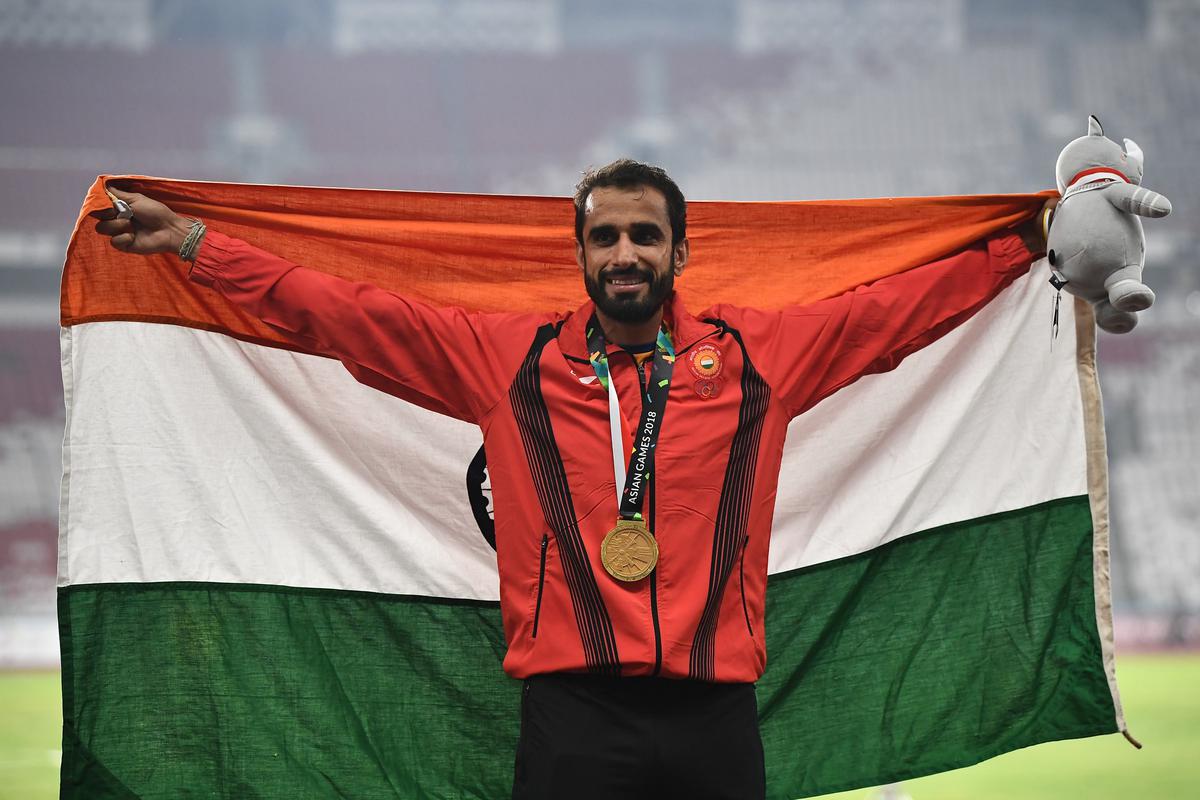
x,y
738,99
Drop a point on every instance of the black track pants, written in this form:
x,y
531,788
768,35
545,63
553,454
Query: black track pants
x,y
585,738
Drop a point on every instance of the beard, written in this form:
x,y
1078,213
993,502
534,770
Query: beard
x,y
632,309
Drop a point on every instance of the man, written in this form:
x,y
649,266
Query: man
x,y
632,597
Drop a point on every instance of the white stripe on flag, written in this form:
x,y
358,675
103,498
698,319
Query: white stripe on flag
x,y
192,456
987,419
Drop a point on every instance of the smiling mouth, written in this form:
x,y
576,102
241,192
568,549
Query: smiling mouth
x,y
622,284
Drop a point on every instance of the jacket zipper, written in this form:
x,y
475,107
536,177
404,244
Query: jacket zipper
x,y
638,368
742,583
537,611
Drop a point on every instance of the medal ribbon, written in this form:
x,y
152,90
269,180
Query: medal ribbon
x,y
635,479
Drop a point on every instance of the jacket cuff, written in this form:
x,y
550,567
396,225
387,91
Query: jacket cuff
x,y
216,251
1010,249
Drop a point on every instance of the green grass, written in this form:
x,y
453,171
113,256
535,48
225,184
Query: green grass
x,y
30,735
1161,695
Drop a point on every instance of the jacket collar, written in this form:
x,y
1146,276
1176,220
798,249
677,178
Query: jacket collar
x,y
685,329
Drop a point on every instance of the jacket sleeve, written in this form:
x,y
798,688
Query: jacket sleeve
x,y
808,352
445,359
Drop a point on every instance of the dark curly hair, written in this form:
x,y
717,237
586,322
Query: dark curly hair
x,y
626,173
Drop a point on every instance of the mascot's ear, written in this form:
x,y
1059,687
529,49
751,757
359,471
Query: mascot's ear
x,y
1094,128
1135,154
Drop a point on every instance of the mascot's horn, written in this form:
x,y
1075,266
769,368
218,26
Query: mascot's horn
x,y
1135,154
1094,128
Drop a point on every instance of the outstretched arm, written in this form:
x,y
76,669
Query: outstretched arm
x,y
445,359
808,352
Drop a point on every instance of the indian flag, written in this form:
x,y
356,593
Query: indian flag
x,y
277,582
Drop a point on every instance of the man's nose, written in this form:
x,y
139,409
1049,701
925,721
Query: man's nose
x,y
624,254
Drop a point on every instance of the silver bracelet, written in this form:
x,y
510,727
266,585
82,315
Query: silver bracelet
x,y
191,242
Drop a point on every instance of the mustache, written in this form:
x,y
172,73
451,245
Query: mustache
x,y
627,272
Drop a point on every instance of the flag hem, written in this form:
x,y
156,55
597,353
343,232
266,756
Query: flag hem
x,y
1097,478
66,363
227,586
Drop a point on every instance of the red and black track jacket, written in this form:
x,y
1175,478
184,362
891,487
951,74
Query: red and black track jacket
x,y
741,375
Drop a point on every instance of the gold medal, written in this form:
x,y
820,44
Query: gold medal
x,y
629,552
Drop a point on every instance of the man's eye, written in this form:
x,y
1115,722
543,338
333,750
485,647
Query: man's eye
x,y
646,234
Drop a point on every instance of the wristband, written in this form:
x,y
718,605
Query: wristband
x,y
1047,216
191,242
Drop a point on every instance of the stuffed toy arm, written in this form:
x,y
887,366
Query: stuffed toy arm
x,y
1136,200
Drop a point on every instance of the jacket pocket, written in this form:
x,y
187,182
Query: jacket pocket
x,y
537,609
742,583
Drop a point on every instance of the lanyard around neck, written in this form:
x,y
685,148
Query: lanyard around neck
x,y
633,481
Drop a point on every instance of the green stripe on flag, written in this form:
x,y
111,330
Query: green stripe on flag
x,y
934,652
222,690
930,653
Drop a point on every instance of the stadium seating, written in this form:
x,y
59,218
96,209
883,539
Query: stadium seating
x,y
785,101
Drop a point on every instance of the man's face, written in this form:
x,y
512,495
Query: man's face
x,y
629,265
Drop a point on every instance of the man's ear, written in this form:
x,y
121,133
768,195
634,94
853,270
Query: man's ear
x,y
580,258
680,257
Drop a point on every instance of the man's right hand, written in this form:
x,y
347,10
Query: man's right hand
x,y
154,228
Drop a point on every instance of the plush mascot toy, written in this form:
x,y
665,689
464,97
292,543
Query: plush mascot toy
x,y
1095,242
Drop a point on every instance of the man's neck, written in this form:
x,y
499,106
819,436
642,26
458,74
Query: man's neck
x,y
630,333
